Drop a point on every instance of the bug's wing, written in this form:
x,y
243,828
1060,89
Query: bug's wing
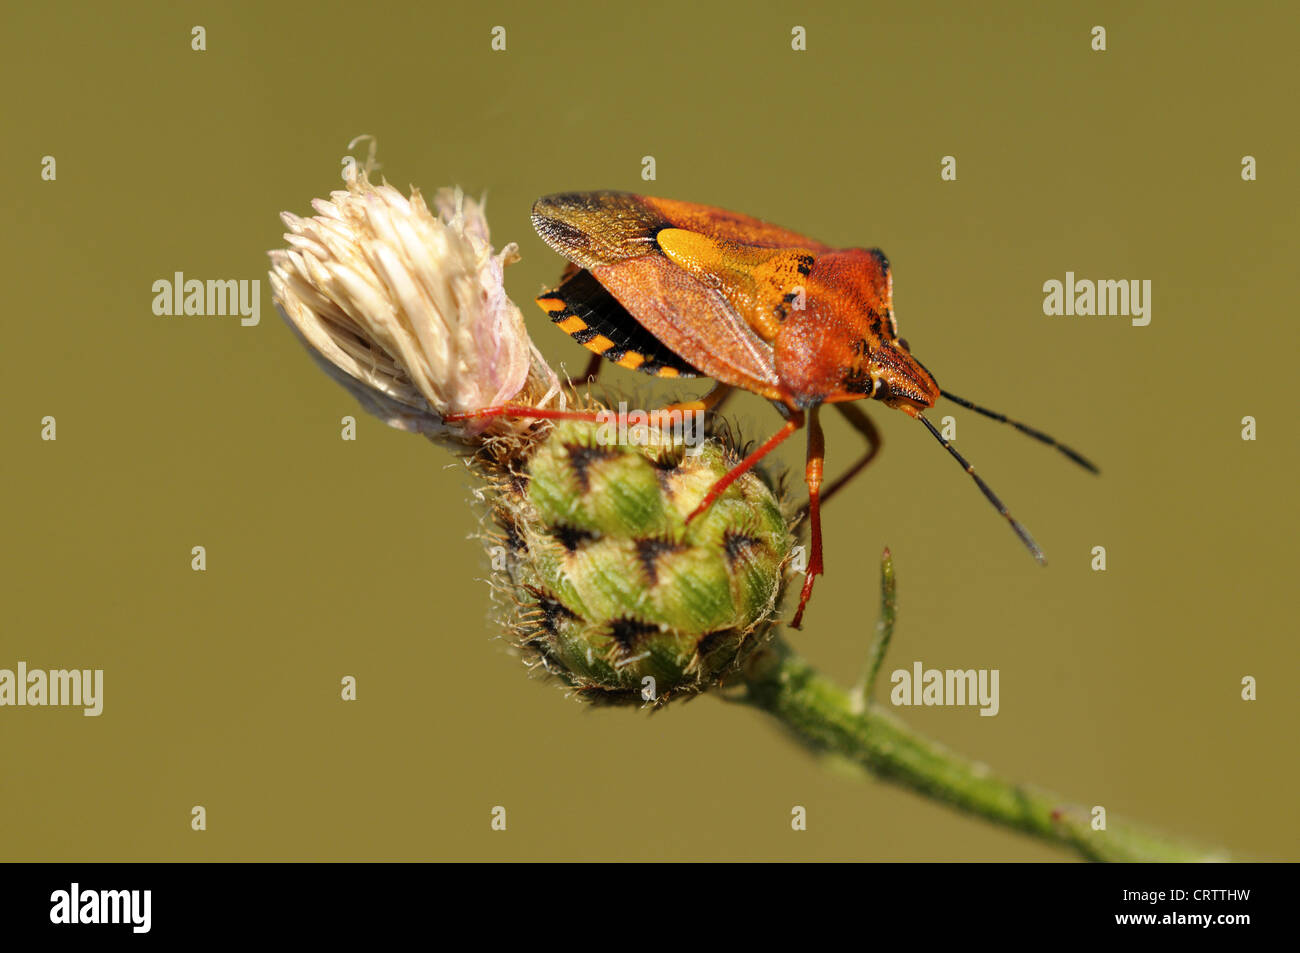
x,y
597,228
723,225
694,321
585,310
712,285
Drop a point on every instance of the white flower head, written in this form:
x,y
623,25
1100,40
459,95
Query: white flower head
x,y
408,310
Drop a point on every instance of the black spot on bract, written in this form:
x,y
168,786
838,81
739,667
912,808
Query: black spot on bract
x,y
738,545
667,462
582,457
571,537
627,635
669,458
709,643
649,551
553,614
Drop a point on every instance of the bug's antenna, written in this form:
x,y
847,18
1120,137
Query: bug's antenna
x,y
1074,455
988,492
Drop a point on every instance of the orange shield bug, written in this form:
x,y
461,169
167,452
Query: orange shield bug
x,y
675,289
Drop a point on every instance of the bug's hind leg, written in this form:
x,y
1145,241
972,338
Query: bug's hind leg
x,y
813,476
593,368
522,411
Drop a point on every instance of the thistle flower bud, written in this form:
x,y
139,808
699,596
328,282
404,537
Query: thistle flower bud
x,y
609,587
615,593
408,310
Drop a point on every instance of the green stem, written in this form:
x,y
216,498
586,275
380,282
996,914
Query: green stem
x,y
865,689
825,718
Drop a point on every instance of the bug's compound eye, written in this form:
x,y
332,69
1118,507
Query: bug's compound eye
x,y
902,342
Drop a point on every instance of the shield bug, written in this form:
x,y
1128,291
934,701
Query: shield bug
x,y
675,289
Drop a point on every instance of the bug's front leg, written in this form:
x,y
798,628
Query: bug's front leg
x,y
860,422
813,476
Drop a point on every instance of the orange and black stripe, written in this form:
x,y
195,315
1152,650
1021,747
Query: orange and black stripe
x,y
584,310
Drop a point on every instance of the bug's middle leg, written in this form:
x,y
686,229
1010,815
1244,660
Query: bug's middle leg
x,y
813,477
740,469
710,401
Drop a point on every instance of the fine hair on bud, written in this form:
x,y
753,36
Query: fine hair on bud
x,y
606,586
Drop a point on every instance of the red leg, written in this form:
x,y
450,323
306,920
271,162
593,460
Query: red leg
x,y
863,425
530,413
708,401
736,472
813,476
593,368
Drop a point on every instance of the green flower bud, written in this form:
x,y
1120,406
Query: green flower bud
x,y
615,593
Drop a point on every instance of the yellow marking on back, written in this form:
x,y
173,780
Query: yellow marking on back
x,y
551,305
755,281
600,344
631,360
572,324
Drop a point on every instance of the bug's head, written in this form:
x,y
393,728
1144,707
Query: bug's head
x,y
899,380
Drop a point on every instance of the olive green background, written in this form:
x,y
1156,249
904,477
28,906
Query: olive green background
x,y
328,558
